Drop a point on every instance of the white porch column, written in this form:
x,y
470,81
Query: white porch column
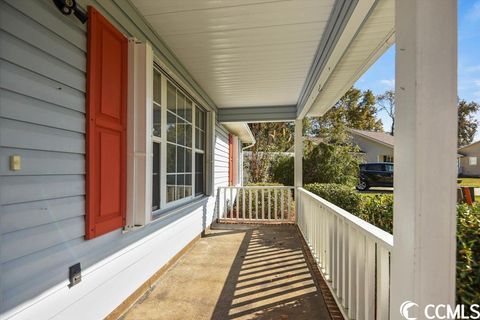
x,y
423,262
298,146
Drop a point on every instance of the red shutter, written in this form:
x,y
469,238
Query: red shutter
x,y
106,126
230,160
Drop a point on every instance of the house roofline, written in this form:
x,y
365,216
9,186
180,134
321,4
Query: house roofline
x,y
354,131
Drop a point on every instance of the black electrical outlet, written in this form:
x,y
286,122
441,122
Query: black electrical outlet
x,y
75,274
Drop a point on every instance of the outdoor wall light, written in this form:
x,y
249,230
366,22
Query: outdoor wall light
x,y
68,6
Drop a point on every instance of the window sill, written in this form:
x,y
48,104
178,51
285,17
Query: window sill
x,y
161,215
172,210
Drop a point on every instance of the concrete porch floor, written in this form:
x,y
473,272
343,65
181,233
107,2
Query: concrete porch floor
x,y
238,272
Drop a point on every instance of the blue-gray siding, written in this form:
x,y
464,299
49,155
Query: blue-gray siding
x,y
221,154
42,119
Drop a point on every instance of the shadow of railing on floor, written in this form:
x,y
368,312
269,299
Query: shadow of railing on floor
x,y
270,279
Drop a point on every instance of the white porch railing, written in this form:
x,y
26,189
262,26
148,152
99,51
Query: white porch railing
x,y
256,203
353,255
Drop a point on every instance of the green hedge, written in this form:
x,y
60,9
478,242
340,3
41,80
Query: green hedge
x,y
377,209
468,254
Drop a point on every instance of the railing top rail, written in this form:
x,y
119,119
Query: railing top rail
x,y
258,187
377,234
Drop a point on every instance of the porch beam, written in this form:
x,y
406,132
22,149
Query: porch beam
x,y
341,14
424,253
258,114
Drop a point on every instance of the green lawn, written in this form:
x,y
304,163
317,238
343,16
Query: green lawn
x,y
470,182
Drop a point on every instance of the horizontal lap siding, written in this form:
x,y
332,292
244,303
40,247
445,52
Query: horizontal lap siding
x,y
42,119
221,157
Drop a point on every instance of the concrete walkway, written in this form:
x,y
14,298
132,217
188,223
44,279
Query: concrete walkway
x,y
237,272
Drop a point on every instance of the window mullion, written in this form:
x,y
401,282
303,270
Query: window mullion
x,y
194,189
163,145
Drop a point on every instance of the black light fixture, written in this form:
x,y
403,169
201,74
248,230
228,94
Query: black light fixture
x,y
68,6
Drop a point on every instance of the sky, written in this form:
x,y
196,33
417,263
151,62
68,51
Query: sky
x,y
381,76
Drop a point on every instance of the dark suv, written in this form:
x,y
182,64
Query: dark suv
x,y
375,175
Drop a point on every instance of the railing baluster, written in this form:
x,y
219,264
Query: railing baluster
x,y
360,264
281,203
327,245
345,260
243,204
231,203
269,203
352,273
369,277
289,203
383,283
333,246
339,255
256,204
250,204
237,193
322,237
225,207
263,203
275,214
312,224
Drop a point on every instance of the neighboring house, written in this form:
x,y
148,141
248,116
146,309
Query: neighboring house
x,y
374,146
469,160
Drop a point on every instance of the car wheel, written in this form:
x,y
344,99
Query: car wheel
x,y
362,185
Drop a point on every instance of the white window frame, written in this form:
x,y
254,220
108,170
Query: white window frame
x,y
141,65
164,205
472,161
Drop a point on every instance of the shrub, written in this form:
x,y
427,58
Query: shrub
x,y
377,209
340,195
282,170
468,254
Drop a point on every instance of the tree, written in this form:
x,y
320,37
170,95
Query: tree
x,y
333,160
270,137
386,101
356,110
467,124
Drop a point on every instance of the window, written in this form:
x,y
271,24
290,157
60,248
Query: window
x,y
386,158
472,161
178,136
179,144
199,151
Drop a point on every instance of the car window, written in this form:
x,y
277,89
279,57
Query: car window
x,y
389,167
375,167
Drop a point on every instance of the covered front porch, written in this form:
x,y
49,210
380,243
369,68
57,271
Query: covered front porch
x,y
290,253
316,262
366,275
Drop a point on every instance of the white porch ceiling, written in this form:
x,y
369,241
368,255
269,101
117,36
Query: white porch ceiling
x,y
243,53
